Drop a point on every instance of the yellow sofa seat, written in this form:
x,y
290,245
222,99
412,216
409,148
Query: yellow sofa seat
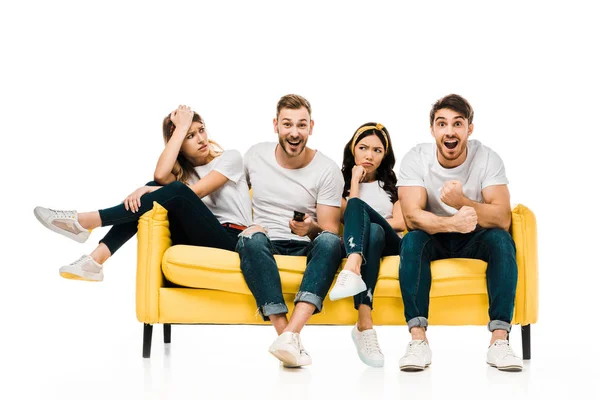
x,y
193,284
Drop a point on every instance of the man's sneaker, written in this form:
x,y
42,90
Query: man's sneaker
x,y
417,357
367,347
347,284
63,222
501,356
287,349
85,269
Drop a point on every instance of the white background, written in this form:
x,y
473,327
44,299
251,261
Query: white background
x,y
84,88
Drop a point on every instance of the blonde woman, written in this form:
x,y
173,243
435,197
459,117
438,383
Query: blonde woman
x,y
202,186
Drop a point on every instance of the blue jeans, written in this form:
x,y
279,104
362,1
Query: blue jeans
x,y
494,246
256,251
367,233
190,221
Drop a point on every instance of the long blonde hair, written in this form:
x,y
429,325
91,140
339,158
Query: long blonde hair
x,y
183,169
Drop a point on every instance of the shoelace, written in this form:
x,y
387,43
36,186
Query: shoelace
x,y
504,348
81,260
371,343
342,279
63,214
414,348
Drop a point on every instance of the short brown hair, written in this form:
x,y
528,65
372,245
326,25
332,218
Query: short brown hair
x,y
293,102
455,103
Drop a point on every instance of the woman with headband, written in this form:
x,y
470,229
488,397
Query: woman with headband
x,y
373,224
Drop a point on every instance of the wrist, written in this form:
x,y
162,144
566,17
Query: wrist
x,y
182,129
465,201
451,224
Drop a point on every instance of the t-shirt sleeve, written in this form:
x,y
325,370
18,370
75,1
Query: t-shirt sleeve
x,y
331,187
231,165
494,172
410,173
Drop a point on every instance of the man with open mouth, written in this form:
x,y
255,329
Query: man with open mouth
x,y
296,197
456,204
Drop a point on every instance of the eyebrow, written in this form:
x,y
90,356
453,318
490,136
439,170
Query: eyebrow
x,y
457,117
194,130
289,119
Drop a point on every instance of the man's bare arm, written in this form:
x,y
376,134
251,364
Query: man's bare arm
x,y
495,210
413,200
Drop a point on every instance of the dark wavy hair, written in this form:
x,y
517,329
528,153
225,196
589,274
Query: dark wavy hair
x,y
385,172
455,103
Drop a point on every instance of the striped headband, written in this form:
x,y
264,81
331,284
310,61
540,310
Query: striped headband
x,y
378,127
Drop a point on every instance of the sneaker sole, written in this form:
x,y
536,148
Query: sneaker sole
x,y
81,237
413,368
508,368
376,364
287,358
334,297
69,273
284,365
300,365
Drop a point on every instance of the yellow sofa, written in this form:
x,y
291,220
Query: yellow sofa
x,y
200,285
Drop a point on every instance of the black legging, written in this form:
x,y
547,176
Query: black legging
x,y
190,221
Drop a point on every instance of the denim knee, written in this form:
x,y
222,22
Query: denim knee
x,y
414,240
354,202
329,240
178,186
252,242
377,235
499,240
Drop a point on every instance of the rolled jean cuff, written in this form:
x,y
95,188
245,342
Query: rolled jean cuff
x,y
420,322
310,298
363,299
497,324
272,308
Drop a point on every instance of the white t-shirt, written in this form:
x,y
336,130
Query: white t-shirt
x,y
377,198
231,202
277,191
482,168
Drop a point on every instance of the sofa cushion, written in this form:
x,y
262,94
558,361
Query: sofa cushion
x,y
208,268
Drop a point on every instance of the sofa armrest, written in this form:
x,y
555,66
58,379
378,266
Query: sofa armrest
x,y
523,230
154,238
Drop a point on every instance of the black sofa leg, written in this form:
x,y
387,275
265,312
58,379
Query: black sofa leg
x,y
167,333
147,340
526,339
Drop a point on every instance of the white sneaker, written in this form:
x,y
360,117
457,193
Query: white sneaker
x,y
303,361
85,269
367,347
501,356
288,349
347,284
63,222
417,356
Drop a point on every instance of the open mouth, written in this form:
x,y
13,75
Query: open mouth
x,y
451,143
294,144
